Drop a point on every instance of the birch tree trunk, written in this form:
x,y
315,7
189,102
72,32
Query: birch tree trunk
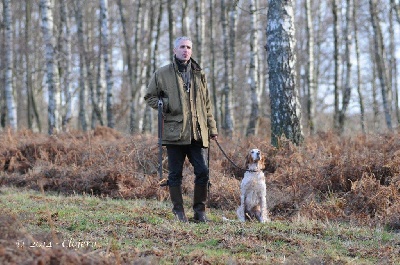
x,y
82,60
233,6
200,30
226,103
142,64
285,108
10,101
171,28
396,8
34,122
148,112
359,91
255,90
65,63
107,63
336,55
213,85
310,68
185,17
53,83
375,104
100,87
128,51
134,123
347,86
393,65
380,63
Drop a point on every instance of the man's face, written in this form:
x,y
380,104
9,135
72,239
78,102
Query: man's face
x,y
184,50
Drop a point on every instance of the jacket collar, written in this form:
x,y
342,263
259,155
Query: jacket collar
x,y
195,66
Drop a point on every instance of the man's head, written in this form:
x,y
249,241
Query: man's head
x,y
183,48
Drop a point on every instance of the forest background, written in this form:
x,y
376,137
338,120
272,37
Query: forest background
x,y
73,68
89,62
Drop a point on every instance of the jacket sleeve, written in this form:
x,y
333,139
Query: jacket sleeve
x,y
154,91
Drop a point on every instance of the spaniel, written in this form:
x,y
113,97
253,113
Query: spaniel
x,y
253,202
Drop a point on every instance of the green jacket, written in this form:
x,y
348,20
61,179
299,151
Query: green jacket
x,y
178,104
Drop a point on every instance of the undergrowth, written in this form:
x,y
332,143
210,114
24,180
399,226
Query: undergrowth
x,y
353,180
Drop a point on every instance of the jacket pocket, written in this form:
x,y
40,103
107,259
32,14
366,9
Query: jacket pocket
x,y
173,127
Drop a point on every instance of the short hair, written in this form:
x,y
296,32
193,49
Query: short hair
x,y
179,39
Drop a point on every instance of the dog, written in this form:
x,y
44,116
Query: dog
x,y
253,202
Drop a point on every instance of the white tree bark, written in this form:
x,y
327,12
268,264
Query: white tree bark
x,y
347,83
311,86
135,91
253,72
285,107
10,101
226,102
107,62
53,84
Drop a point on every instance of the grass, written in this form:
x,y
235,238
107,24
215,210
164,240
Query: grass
x,y
118,231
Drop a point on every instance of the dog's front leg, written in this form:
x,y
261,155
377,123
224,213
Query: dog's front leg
x,y
264,212
240,211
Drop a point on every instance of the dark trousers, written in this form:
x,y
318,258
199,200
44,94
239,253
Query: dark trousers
x,y
176,157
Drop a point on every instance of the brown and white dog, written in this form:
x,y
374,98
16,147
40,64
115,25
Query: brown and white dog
x,y
253,202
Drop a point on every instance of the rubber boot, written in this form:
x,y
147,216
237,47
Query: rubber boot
x,y
199,203
177,202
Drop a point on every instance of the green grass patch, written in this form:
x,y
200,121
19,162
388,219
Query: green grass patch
x,y
133,229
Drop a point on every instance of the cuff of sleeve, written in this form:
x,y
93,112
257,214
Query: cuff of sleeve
x,y
165,104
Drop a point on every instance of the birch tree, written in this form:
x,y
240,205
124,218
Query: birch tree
x,y
347,85
359,91
200,30
393,65
53,84
65,63
8,49
336,58
32,109
226,103
135,89
171,27
396,7
285,109
82,62
107,63
148,112
311,85
185,17
380,62
213,85
129,63
253,72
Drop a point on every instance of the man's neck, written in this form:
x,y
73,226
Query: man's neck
x,y
182,65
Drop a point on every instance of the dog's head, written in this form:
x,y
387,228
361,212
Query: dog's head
x,y
255,160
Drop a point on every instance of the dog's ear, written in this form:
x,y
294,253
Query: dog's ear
x,y
262,162
248,161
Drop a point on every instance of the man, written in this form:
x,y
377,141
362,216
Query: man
x,y
188,122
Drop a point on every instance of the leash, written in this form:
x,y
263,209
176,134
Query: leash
x,y
230,160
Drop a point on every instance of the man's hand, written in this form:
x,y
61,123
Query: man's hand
x,y
214,137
